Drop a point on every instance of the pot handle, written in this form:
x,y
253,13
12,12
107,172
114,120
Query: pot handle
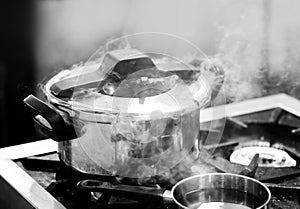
x,y
50,121
139,193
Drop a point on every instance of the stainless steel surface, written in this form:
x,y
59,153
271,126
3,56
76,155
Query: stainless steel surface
x,y
21,191
282,101
218,187
28,149
132,136
184,92
122,61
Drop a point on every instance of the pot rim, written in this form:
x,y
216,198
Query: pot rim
x,y
220,174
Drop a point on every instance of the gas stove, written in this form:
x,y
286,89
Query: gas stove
x,y
32,176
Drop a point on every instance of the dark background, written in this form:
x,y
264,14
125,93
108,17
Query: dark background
x,y
17,70
39,38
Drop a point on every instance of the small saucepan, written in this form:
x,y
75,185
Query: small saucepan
x,y
211,190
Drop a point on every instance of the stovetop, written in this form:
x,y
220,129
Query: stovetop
x,y
64,188
66,193
272,121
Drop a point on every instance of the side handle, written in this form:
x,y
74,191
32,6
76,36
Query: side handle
x,y
50,121
139,193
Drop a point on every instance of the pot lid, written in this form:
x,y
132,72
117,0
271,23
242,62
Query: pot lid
x,y
127,81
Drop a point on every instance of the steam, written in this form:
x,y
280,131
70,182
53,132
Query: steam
x,y
242,62
233,32
261,52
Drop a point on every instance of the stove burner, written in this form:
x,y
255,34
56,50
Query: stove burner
x,y
270,156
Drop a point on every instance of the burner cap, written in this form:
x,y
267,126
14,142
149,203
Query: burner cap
x,y
269,156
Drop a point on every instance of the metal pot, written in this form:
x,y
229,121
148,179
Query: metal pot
x,y
129,115
212,190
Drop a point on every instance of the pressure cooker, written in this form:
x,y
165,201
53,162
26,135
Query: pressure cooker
x,y
131,114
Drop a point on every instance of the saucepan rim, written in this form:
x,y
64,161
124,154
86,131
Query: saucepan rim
x,y
219,174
